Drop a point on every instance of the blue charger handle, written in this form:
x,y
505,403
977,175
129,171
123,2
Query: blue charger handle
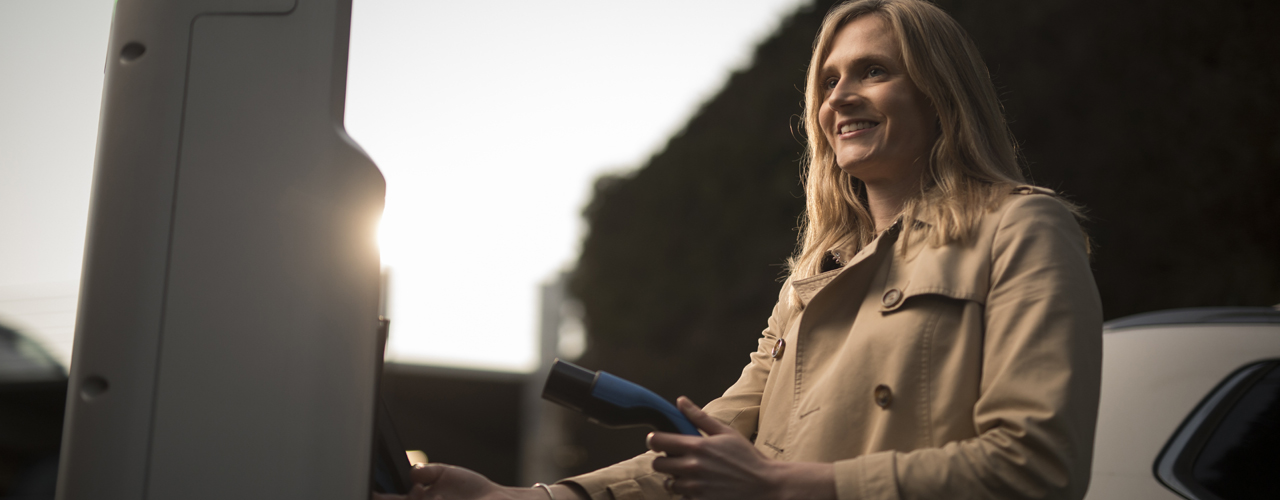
x,y
612,389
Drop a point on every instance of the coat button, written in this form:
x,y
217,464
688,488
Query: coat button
x,y
884,396
891,297
778,348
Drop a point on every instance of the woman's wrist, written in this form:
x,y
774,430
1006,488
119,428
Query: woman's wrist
x,y
557,492
803,480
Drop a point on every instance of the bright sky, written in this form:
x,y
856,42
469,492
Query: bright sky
x,y
489,120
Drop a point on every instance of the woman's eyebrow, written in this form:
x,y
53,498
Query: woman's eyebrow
x,y
860,61
869,59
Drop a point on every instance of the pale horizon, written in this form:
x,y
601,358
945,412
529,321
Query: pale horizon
x,y
490,121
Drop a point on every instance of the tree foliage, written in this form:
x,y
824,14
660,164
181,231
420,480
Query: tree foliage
x,y
1161,117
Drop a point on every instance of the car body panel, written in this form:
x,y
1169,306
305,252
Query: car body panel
x,y
1153,376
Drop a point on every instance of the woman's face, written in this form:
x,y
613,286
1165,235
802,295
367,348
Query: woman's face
x,y
879,124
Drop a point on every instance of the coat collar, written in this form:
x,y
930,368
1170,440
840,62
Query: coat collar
x,y
929,219
808,287
922,269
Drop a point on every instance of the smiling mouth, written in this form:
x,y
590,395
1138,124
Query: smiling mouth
x,y
856,126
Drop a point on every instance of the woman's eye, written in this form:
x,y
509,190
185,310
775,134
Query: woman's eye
x,y
874,72
831,83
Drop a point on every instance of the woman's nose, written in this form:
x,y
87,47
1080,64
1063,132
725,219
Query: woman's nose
x,y
843,96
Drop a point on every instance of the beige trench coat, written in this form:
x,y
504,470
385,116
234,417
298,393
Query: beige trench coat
x,y
962,371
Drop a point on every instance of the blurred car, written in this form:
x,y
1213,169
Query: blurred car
x,y
1190,406
33,392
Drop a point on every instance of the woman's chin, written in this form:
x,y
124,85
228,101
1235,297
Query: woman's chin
x,y
882,169
863,168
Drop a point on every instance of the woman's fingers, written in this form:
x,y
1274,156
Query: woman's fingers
x,y
679,444
416,492
684,486
700,418
427,474
676,466
673,444
438,481
723,464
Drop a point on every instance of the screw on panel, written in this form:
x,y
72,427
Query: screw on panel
x,y
132,51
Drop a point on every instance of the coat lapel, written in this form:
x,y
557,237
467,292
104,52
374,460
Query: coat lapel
x,y
807,288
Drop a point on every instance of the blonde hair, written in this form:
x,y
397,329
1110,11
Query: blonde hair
x,y
973,163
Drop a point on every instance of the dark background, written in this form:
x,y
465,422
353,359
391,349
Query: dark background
x,y
1160,117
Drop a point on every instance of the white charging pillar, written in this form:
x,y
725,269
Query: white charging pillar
x,y
225,340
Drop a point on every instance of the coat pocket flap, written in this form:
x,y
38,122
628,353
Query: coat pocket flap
x,y
893,298
956,273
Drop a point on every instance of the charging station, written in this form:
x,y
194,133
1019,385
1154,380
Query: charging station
x,y
226,338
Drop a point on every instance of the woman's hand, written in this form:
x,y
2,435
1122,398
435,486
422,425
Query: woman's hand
x,y
446,482
725,465
438,481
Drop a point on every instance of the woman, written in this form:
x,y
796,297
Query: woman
x,y
940,333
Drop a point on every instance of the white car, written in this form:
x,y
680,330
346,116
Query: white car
x,y
1190,406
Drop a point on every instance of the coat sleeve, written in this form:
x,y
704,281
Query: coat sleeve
x,y
739,407
1041,374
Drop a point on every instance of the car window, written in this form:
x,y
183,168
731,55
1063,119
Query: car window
x,y
1229,447
1242,457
